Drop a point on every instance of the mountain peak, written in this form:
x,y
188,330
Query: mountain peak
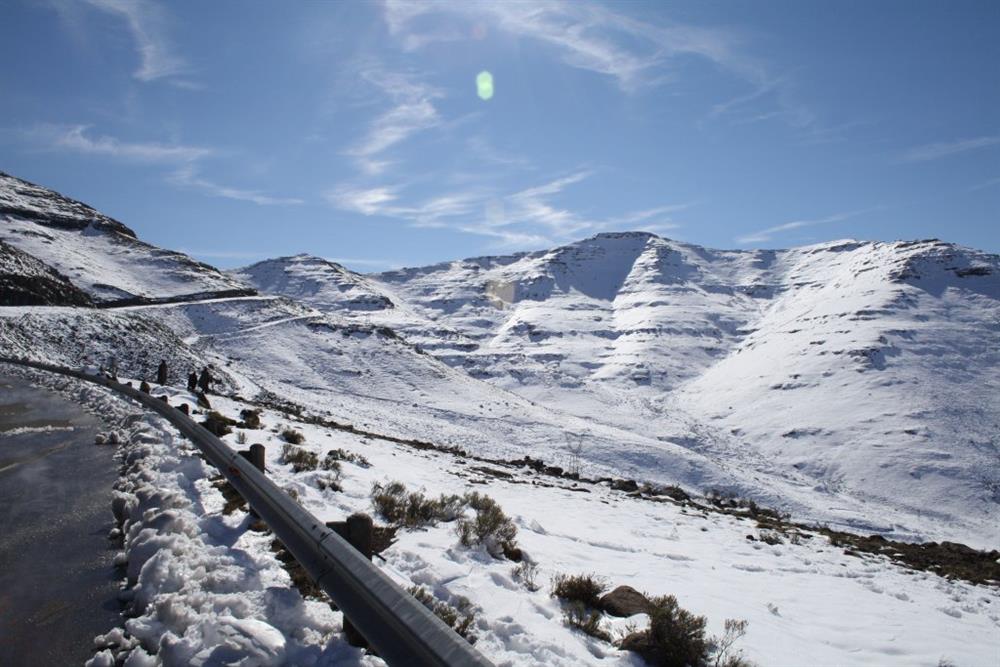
x,y
25,200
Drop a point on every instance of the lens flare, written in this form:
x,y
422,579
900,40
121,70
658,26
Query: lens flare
x,y
484,85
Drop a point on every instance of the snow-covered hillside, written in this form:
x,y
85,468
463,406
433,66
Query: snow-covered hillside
x,y
26,281
856,381
100,255
319,282
850,383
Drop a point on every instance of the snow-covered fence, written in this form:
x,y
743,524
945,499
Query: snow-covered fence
x,y
401,629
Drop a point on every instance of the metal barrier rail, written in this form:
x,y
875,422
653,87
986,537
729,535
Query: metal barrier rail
x,y
400,628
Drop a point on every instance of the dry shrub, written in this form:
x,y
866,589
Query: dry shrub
x,y
301,460
217,424
412,509
586,620
459,618
583,588
675,637
527,573
292,436
336,455
490,527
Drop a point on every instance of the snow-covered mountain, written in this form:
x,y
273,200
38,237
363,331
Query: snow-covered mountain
x,y
861,375
850,383
100,255
319,282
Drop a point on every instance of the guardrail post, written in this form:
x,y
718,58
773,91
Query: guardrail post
x,y
257,456
358,530
360,533
254,455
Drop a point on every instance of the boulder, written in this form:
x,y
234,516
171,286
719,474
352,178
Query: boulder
x,y
624,601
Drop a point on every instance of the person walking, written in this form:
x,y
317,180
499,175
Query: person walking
x,y
205,380
192,381
161,373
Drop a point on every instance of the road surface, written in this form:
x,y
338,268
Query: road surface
x,y
58,586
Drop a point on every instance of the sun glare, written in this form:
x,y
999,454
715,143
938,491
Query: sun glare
x,y
484,85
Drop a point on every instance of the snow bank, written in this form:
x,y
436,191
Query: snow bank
x,y
200,588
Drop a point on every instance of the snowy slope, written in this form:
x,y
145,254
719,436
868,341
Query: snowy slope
x,y
98,254
203,583
791,366
26,281
850,383
319,282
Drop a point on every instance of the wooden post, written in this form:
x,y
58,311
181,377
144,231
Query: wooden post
x,y
254,455
257,457
359,531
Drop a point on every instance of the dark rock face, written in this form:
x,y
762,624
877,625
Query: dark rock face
x,y
26,281
627,485
28,201
624,601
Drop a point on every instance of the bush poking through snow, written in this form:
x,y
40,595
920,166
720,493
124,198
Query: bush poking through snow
x,y
335,455
290,435
582,595
333,465
583,588
331,482
412,510
723,647
490,527
675,637
249,418
586,620
769,537
301,460
217,424
459,618
527,573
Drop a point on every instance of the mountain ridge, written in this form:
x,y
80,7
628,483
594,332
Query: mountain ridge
x,y
849,382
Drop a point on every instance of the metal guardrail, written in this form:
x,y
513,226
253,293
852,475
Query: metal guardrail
x,y
400,628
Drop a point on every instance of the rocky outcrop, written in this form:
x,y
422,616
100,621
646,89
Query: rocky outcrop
x,y
26,281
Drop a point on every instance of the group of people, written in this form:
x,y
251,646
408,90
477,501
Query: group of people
x,y
196,381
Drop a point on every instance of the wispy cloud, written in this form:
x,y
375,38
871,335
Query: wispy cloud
x,y
146,22
412,111
366,201
188,177
993,182
533,206
943,149
658,218
586,35
767,234
75,138
529,217
485,151
185,160
760,90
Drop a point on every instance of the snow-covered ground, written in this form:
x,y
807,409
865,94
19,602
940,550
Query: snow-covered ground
x,y
849,382
202,585
855,384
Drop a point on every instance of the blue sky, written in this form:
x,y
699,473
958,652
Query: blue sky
x,y
237,131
